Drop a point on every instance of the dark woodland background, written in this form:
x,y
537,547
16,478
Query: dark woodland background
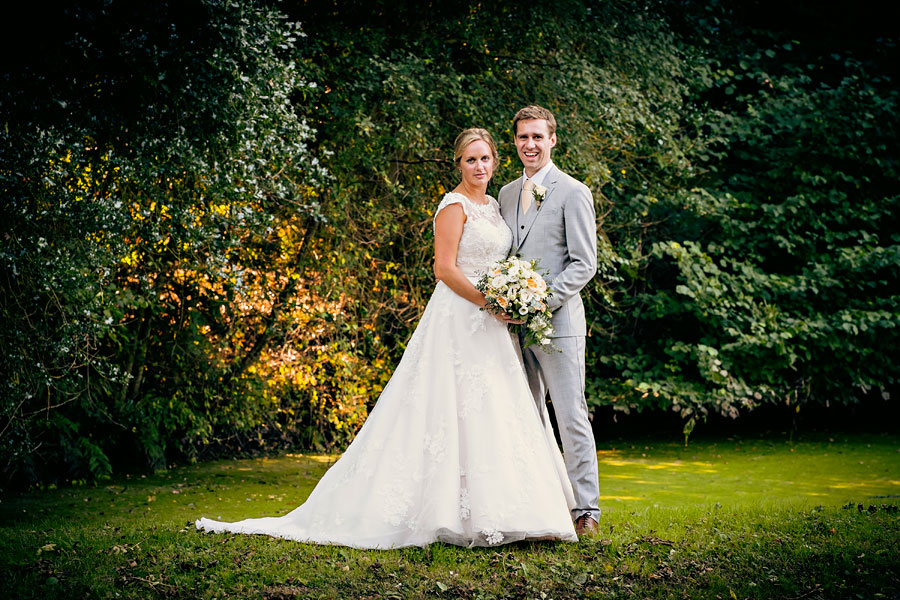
x,y
217,215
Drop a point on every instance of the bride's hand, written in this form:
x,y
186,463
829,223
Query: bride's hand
x,y
505,318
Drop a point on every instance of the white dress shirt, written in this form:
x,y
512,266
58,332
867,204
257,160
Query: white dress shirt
x,y
538,178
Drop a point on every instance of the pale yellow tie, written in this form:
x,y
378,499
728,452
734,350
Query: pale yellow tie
x,y
527,196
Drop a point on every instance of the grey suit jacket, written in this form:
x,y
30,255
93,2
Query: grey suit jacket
x,y
562,233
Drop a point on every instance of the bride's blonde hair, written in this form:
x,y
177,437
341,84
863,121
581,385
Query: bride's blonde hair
x,y
467,137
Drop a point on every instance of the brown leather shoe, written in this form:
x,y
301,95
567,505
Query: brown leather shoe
x,y
586,525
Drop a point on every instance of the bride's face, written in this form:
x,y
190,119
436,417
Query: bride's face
x,y
477,164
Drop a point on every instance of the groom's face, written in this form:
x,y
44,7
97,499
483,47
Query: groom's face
x,y
533,143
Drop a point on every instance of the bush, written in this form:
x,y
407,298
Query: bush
x,y
221,228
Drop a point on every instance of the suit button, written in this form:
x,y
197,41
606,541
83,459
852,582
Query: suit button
x,y
523,227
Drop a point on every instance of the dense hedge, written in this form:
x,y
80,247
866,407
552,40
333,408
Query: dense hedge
x,y
221,221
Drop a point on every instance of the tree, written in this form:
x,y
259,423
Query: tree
x,y
161,190
776,282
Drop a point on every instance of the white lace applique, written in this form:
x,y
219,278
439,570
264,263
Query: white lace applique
x,y
523,450
364,463
457,359
465,511
474,391
396,497
492,536
478,322
436,445
443,305
395,501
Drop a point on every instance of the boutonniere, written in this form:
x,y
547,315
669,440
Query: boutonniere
x,y
539,192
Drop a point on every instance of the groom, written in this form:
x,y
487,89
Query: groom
x,y
552,219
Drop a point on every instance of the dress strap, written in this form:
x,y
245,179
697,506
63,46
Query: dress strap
x,y
452,198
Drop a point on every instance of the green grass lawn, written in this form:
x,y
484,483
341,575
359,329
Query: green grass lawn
x,y
724,518
748,473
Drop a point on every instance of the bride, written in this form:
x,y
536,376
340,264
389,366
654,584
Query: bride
x,y
454,450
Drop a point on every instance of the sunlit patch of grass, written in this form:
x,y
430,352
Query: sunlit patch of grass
x,y
772,519
747,472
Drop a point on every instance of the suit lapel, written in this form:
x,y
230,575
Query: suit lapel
x,y
510,207
529,219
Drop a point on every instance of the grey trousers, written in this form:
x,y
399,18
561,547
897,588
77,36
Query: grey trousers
x,y
562,374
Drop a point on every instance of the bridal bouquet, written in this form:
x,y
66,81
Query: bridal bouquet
x,y
513,286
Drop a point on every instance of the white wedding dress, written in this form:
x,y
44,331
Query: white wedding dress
x,y
454,450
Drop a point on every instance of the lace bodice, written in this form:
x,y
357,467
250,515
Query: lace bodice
x,y
485,237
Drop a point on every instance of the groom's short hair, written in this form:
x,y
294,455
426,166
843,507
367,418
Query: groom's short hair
x,y
534,112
